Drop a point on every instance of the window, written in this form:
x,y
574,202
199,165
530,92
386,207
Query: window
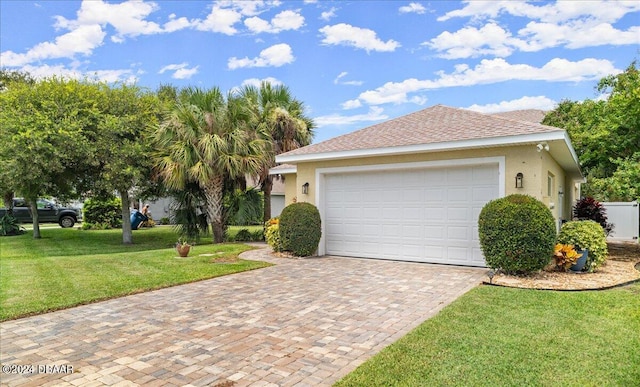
x,y
550,184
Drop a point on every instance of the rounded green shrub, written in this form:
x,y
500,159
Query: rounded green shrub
x,y
300,229
517,234
586,234
102,213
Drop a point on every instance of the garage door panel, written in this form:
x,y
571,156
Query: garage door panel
x,y
434,195
370,213
412,231
482,193
425,215
458,214
371,196
434,231
393,230
458,254
459,233
484,173
458,194
433,253
412,195
435,215
370,230
352,212
459,176
352,229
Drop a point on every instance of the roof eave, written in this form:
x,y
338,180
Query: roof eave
x,y
283,171
432,147
565,155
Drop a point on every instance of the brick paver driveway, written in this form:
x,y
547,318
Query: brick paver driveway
x,y
301,322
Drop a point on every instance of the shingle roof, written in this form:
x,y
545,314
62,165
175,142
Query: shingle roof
x,y
436,124
529,115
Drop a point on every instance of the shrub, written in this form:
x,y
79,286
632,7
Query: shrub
x,y
244,207
272,234
586,234
590,209
102,213
9,225
517,234
300,228
257,235
243,236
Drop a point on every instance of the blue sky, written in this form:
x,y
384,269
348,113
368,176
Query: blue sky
x,y
353,63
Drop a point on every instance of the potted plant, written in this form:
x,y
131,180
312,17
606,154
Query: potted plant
x,y
183,248
566,257
589,239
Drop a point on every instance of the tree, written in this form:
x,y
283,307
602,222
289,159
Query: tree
x,y
44,150
128,117
276,112
7,78
204,139
606,136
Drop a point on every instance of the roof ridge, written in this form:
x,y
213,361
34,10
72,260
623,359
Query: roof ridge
x,y
435,124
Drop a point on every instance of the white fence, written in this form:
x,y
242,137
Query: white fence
x,y
626,219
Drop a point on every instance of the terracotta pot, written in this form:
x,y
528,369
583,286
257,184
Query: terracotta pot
x,y
183,250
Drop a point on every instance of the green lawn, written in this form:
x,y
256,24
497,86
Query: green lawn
x,y
496,336
69,267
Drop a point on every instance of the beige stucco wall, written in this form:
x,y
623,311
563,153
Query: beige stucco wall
x,y
556,202
290,185
534,165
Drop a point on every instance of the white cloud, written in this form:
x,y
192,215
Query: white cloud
x,y
540,102
82,40
274,56
491,71
339,81
128,18
577,35
257,82
375,114
352,104
176,24
570,24
328,15
180,70
87,31
413,8
285,20
491,39
220,20
46,71
348,35
561,11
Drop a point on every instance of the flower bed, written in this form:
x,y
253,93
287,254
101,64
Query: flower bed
x,y
618,269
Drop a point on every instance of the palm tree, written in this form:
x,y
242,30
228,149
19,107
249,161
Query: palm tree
x,y
282,117
204,139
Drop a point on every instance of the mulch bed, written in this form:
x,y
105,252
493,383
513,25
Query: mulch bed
x,y
617,270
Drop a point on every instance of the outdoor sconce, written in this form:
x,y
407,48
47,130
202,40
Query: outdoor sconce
x,y
305,188
519,178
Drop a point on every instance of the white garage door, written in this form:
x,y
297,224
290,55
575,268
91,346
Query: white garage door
x,y
424,215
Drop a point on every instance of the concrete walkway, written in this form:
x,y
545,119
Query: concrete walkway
x,y
303,322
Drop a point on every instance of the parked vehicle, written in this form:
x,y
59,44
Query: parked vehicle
x,y
48,212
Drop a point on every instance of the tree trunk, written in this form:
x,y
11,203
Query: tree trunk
x,y
33,206
214,192
127,235
8,202
267,185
